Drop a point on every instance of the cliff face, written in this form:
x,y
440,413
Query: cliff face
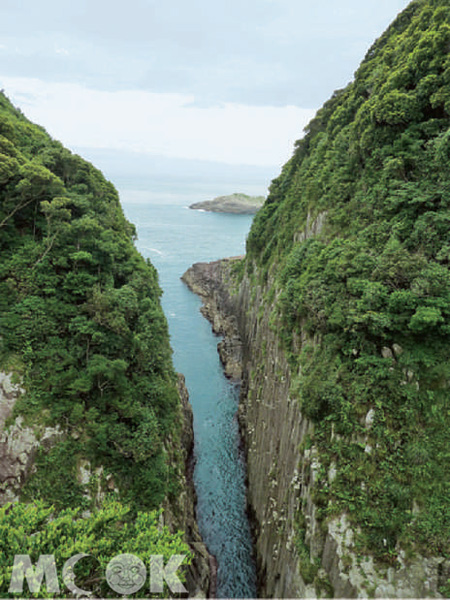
x,y
271,424
179,512
20,444
298,554
340,312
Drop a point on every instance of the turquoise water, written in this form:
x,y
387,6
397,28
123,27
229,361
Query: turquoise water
x,y
174,237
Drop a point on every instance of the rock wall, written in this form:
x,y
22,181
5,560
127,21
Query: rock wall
x,y
180,512
270,426
297,554
18,443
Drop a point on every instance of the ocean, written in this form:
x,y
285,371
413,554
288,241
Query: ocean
x,y
174,237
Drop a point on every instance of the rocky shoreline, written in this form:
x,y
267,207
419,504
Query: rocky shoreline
x,y
270,504
180,512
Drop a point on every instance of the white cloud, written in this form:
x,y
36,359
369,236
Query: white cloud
x,y
161,123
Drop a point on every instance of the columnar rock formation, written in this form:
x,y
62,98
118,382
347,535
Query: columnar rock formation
x,y
283,464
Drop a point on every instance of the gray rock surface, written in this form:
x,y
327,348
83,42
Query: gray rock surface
x,y
18,443
205,280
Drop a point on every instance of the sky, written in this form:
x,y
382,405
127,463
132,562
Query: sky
x,y
232,81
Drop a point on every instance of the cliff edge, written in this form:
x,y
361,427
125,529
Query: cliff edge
x,y
299,553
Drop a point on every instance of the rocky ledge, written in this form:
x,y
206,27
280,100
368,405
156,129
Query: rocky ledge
x,y
209,281
234,203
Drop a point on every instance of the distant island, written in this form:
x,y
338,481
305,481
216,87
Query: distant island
x,y
239,204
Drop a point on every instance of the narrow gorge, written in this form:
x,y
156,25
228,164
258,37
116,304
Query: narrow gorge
x,y
309,456
219,470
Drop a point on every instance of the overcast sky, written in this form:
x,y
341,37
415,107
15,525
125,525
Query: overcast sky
x,y
231,81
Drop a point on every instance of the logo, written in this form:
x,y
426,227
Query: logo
x,y
125,574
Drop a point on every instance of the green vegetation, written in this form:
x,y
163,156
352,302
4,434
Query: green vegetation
x,y
34,529
372,288
81,324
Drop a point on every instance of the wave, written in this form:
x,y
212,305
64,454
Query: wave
x,y
154,250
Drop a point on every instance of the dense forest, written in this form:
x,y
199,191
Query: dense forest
x,y
83,331
364,305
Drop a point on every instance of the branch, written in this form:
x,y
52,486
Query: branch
x,y
18,207
49,247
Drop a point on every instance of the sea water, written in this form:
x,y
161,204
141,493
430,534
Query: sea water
x,y
174,237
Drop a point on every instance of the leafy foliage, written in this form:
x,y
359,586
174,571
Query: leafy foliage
x,y
370,294
35,529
